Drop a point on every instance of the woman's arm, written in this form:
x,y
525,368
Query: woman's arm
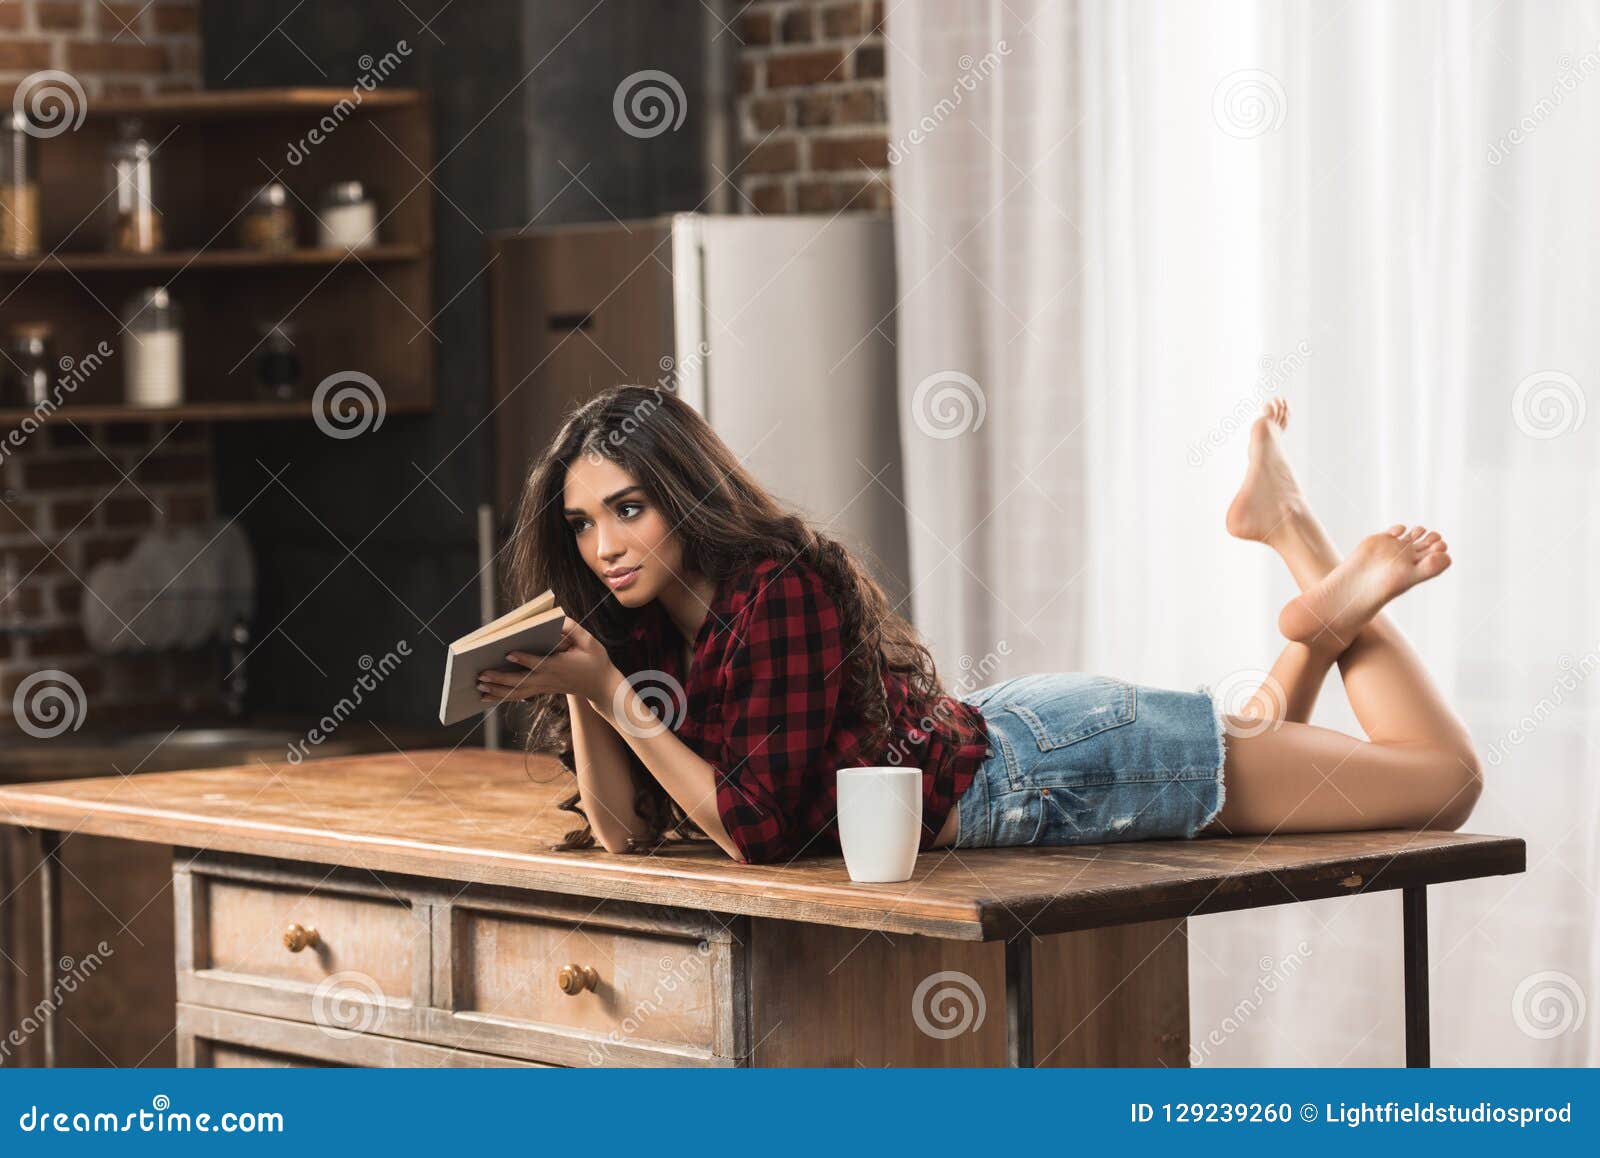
x,y
602,706
687,778
607,783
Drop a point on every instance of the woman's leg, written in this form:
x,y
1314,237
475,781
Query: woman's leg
x,y
1419,768
1271,509
1302,778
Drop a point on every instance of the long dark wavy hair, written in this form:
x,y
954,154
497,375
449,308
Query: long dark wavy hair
x,y
724,521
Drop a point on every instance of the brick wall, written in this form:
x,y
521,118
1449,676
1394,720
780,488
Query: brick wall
x,y
125,49
64,501
78,493
811,74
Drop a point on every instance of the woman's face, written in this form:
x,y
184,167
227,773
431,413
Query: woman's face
x,y
621,534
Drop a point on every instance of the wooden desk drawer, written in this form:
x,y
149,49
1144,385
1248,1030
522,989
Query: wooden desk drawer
x,y
223,1039
660,991
366,969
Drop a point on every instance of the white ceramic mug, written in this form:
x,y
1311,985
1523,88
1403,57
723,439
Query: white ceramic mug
x,y
880,821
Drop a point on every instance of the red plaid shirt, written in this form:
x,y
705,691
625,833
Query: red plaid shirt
x,y
764,706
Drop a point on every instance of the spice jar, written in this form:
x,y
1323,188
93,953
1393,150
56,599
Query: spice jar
x,y
19,187
277,363
135,220
268,222
152,347
347,218
30,364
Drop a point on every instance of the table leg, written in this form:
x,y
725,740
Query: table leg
x,y
50,930
1019,1000
11,935
1414,902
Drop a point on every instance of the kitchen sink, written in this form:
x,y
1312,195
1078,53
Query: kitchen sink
x,y
212,745
214,738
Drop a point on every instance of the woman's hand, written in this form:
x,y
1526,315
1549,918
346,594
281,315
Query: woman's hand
x,y
580,666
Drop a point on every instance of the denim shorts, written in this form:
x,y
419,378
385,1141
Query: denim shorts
x,y
1083,759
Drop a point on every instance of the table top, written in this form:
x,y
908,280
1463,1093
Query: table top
x,y
473,815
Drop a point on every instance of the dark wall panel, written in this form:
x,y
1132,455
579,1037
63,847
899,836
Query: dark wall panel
x,y
366,542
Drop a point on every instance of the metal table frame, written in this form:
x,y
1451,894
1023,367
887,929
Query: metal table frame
x,y
1414,937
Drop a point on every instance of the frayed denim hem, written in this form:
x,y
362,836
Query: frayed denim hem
x,y
1220,729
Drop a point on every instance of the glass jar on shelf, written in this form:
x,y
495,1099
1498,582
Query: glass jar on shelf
x,y
267,225
277,362
19,187
30,364
135,225
152,346
347,217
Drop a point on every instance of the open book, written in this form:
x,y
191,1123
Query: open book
x,y
535,627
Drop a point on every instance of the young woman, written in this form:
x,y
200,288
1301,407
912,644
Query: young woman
x,y
722,659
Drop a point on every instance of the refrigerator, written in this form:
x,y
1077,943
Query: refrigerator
x,y
778,329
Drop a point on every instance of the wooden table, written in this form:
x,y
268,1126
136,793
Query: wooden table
x,y
405,909
116,889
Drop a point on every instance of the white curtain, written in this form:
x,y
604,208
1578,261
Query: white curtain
x,y
1120,227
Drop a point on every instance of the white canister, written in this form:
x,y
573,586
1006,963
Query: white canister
x,y
346,217
152,349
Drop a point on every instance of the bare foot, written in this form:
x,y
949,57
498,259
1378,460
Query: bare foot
x,y
1333,612
1269,496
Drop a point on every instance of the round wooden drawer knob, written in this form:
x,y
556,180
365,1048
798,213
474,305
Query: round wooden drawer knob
x,y
574,979
297,937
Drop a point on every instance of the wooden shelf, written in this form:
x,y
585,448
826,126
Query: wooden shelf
x,y
245,102
354,310
197,411
203,259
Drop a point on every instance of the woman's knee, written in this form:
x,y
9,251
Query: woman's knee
x,y
1461,783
